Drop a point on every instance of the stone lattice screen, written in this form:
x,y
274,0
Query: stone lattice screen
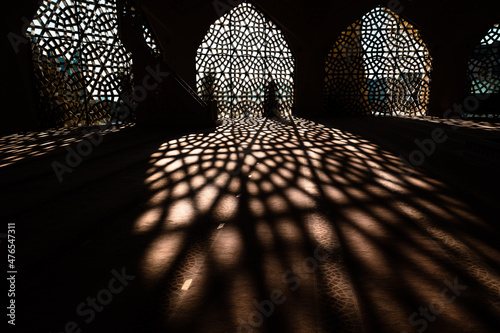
x,y
378,66
81,67
484,64
241,57
483,76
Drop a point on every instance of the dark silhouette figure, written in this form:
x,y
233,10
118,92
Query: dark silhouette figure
x,y
271,100
207,93
207,87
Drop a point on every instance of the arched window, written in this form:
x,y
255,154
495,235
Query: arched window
x,y
81,67
483,75
242,61
378,66
484,64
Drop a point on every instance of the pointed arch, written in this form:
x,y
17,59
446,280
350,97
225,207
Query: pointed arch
x,y
483,73
378,66
244,63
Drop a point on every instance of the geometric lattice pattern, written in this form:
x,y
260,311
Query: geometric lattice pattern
x,y
243,59
378,66
150,40
484,65
81,66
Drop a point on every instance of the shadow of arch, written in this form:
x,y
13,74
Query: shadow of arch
x,y
243,53
379,66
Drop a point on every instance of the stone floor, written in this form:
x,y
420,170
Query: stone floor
x,y
259,226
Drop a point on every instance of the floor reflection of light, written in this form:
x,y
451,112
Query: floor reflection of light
x,y
256,207
321,232
205,198
277,204
15,148
298,198
181,213
160,254
157,181
308,186
227,208
253,189
283,213
227,253
181,189
160,196
187,284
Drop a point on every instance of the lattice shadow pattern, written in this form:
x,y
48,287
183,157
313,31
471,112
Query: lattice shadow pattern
x,y
81,66
378,66
244,64
483,73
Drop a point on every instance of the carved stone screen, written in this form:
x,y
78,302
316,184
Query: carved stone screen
x,y
483,76
242,58
81,66
378,66
151,41
484,64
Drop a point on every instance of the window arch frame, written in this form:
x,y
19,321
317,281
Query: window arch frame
x,y
103,75
490,97
205,93
336,103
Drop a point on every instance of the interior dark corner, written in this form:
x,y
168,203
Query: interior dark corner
x,y
250,166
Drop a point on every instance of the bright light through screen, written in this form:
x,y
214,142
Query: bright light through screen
x,y
242,54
